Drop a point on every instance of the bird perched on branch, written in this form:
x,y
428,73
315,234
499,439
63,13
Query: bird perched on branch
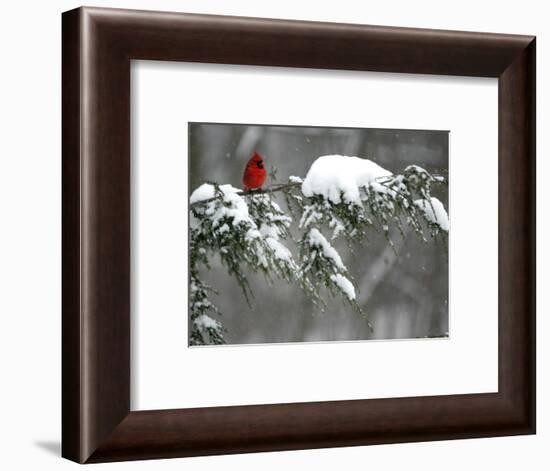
x,y
254,173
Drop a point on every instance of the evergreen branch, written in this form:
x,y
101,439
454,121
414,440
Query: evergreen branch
x,y
271,189
249,233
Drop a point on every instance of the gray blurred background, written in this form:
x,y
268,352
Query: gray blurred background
x,y
405,296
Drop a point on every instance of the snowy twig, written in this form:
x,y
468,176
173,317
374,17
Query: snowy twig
x,y
271,189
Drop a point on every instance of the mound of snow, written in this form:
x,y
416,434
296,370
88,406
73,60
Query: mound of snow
x,y
345,285
338,177
206,322
236,208
207,191
316,239
434,211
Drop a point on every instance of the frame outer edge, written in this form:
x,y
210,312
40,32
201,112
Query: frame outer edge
x,y
533,253
71,420
517,189
105,235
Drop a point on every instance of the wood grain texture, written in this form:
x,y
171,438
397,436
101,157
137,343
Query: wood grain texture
x,y
98,45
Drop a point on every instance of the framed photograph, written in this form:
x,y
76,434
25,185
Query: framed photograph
x,y
282,235
275,227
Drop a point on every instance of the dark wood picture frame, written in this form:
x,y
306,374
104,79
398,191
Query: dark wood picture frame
x,y
97,47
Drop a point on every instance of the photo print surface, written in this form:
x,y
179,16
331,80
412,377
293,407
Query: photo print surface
x,y
315,234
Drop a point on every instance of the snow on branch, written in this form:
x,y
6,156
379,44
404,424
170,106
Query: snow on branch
x,y
340,179
205,196
340,197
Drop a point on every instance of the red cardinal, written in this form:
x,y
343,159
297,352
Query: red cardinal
x,y
254,173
